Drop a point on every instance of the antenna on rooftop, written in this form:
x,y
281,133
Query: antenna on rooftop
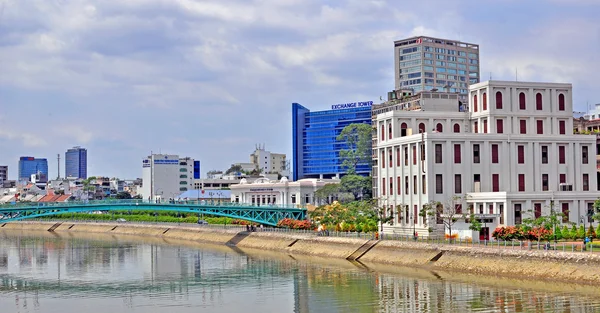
x,y
58,162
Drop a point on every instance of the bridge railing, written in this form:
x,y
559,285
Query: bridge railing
x,y
133,202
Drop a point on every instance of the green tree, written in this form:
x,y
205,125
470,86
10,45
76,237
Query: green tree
x,y
234,169
591,233
598,230
475,224
328,192
581,232
359,186
573,232
566,234
596,215
357,139
123,195
558,233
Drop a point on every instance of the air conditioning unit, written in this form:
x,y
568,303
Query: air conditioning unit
x,y
565,187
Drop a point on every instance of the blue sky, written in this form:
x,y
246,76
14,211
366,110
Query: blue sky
x,y
210,79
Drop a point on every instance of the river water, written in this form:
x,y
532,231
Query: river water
x,y
42,272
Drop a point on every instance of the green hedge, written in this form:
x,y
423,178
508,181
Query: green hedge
x,y
142,216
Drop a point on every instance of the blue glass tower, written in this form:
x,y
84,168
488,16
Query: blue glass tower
x,y
315,147
76,163
196,169
30,165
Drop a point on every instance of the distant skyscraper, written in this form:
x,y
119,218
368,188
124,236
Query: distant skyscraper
x,y
76,162
30,165
3,173
425,63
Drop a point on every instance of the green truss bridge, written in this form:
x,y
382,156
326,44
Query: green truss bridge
x,y
264,214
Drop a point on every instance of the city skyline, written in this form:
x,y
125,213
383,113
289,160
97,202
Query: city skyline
x,y
209,80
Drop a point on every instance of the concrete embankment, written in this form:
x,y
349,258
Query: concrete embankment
x,y
550,265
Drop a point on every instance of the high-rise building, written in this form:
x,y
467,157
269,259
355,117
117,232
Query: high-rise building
x,y
29,166
269,162
3,173
512,156
76,163
314,139
166,176
425,63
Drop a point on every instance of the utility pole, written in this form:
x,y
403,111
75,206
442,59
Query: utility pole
x,y
58,162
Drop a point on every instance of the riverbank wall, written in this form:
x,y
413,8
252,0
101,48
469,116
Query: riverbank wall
x,y
545,265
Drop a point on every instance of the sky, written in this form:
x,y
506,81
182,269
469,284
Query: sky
x,y
211,79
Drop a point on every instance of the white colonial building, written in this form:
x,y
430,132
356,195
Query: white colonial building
x,y
278,192
510,155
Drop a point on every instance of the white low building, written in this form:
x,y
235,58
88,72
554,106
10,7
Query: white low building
x,y
278,192
166,176
511,155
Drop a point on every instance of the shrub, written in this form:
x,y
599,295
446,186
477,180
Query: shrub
x,y
453,236
557,233
573,232
598,230
507,233
566,234
581,232
295,224
591,233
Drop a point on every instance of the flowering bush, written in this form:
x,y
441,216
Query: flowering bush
x,y
453,236
295,224
507,233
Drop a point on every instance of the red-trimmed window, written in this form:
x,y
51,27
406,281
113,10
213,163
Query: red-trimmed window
x,y
438,153
523,126
561,154
456,128
405,156
538,102
390,131
586,182
521,182
537,210
421,127
584,154
457,154
500,126
545,182
522,104
561,127
491,209
498,100
414,148
382,159
474,103
484,101
382,132
439,184
398,156
405,185
415,187
540,127
457,184
399,185
475,127
562,179
391,186
439,127
424,184
403,128
495,182
485,126
565,212
391,158
383,186
521,154
561,102
494,153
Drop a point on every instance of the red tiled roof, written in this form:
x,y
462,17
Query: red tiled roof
x,y
46,198
62,198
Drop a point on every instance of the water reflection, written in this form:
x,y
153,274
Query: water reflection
x,y
45,273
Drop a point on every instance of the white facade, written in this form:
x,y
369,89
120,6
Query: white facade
x,y
278,192
166,176
269,162
512,156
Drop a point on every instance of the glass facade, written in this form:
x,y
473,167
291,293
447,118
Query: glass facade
x,y
315,147
30,165
454,64
76,163
196,169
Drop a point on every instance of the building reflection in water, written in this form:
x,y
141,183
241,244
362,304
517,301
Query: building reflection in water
x,y
35,269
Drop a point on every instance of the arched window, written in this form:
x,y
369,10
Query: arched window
x,y
421,127
538,102
439,128
498,100
475,103
522,104
484,101
390,131
403,128
456,128
561,102
382,132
